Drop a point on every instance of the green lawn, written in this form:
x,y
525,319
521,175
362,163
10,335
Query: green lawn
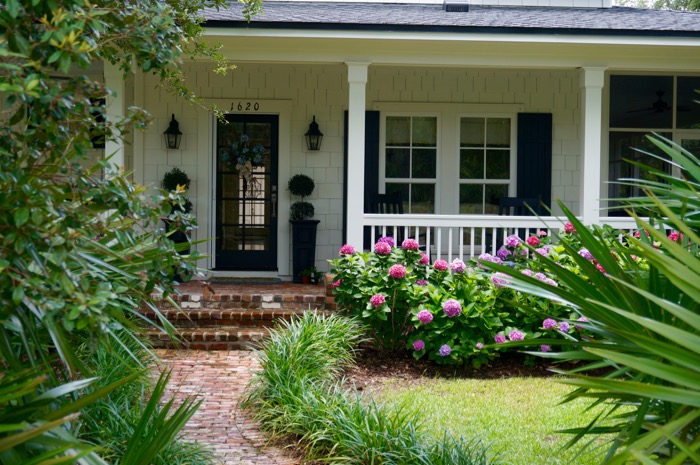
x,y
517,415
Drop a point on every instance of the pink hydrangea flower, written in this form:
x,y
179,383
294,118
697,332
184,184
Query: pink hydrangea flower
x,y
582,319
544,251
516,335
397,271
487,257
500,339
440,265
533,241
418,345
335,284
421,282
599,267
676,237
569,228
445,350
528,272
638,235
425,317
499,279
479,346
549,323
542,233
387,239
452,308
458,266
424,259
513,241
545,348
382,248
410,244
347,249
377,300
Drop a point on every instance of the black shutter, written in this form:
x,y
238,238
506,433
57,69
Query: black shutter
x,y
371,162
535,156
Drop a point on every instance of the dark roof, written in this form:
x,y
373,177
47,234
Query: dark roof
x,y
487,19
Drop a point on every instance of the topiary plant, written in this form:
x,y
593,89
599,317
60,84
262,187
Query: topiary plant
x,y
303,186
301,211
175,177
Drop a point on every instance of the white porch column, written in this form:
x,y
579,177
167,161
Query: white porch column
x,y
357,80
115,110
591,81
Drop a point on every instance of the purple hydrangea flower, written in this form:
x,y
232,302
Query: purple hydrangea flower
x,y
513,241
347,249
377,300
545,348
382,248
479,346
458,266
445,350
440,265
387,240
549,323
487,257
397,271
544,251
503,253
500,339
418,345
551,282
410,244
425,317
499,279
516,335
583,319
564,327
421,282
541,276
424,259
452,308
527,272
585,254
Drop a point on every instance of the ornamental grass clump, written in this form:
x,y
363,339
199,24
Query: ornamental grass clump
x,y
299,393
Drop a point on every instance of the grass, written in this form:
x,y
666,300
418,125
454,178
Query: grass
x,y
517,416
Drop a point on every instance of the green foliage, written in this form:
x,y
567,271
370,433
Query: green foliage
x,y
642,302
297,393
174,178
301,211
301,185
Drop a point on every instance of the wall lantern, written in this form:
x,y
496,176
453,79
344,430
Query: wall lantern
x,y
172,135
313,136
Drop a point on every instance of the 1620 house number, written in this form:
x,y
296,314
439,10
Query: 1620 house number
x,y
245,106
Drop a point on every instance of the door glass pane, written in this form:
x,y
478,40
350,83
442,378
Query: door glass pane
x,y
398,163
424,132
471,133
641,101
497,164
471,164
422,198
403,189
494,192
471,198
398,131
498,132
688,110
424,163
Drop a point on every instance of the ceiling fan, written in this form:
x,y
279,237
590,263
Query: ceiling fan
x,y
659,105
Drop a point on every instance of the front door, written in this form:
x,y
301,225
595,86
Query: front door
x,y
246,192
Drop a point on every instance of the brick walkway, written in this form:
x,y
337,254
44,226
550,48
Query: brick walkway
x,y
219,378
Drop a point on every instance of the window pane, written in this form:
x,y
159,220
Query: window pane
x,y
498,132
497,164
471,132
424,163
692,146
422,198
425,132
398,131
398,163
471,198
641,101
688,111
494,192
471,164
403,189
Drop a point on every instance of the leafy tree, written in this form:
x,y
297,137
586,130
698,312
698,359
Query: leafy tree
x,y
79,247
683,5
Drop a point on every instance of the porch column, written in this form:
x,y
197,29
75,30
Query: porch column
x,y
357,80
591,81
115,109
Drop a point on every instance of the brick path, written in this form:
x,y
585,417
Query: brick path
x,y
219,378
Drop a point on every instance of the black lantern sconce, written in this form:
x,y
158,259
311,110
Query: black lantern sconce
x,y
313,136
172,135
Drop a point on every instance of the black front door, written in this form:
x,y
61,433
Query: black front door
x,y
246,192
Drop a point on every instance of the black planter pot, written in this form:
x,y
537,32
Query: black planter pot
x,y
303,246
178,237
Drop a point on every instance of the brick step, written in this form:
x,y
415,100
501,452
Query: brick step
x,y
217,318
192,301
221,338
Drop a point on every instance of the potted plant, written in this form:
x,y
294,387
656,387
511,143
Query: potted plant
x,y
303,226
177,180
308,275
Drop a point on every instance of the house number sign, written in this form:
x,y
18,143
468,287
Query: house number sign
x,y
245,106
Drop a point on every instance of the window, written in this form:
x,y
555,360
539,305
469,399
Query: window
x,y
411,161
485,163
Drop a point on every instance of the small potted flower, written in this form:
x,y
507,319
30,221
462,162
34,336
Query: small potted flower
x,y
308,275
303,226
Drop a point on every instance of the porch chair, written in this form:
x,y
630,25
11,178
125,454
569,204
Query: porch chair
x,y
517,206
383,204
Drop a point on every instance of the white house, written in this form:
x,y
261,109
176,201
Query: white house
x,y
453,105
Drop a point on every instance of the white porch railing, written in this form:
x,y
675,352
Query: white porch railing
x,y
465,236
